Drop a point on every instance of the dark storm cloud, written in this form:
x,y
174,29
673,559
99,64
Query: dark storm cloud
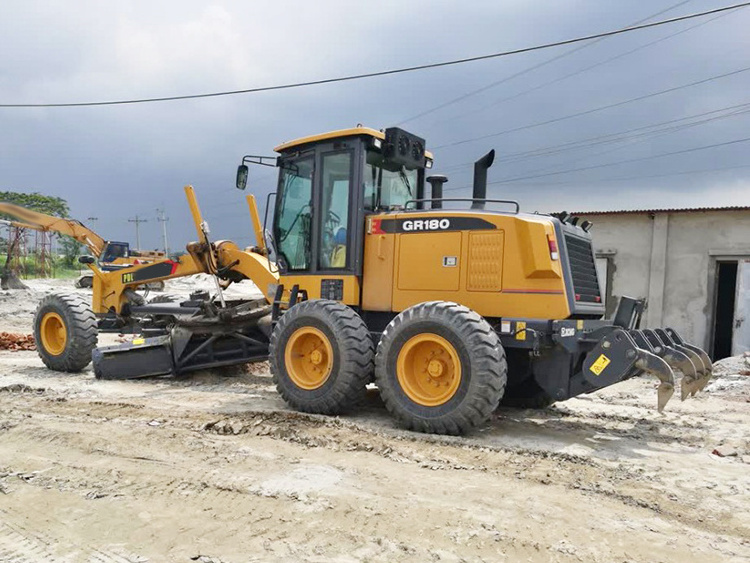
x,y
115,162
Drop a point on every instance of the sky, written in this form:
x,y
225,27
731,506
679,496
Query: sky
x,y
582,127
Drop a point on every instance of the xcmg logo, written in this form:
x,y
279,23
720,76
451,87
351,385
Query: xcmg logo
x,y
426,225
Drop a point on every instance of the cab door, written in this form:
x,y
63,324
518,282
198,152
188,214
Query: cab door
x,y
319,221
292,224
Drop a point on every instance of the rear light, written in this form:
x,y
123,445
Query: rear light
x,y
553,253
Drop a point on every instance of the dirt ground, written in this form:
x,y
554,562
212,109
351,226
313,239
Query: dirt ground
x,y
214,467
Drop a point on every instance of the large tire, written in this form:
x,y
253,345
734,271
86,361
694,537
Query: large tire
x,y
321,357
65,331
440,368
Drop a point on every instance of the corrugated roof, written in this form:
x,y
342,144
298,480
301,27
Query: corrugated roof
x,y
666,210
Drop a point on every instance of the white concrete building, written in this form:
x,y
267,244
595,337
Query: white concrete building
x,y
693,266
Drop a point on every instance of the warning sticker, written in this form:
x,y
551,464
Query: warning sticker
x,y
600,364
138,341
520,330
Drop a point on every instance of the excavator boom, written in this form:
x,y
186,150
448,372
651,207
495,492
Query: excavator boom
x,y
42,222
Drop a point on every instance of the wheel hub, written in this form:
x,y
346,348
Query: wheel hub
x,y
316,357
308,357
428,369
435,368
54,334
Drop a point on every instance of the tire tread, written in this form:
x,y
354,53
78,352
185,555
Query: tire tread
x,y
489,366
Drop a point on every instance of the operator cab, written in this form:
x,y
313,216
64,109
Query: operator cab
x,y
327,185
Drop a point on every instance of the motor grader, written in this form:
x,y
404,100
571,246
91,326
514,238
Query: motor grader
x,y
448,305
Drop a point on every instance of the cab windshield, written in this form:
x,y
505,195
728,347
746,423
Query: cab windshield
x,y
387,186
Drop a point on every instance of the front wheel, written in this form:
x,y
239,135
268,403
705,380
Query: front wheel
x,y
65,331
321,357
440,368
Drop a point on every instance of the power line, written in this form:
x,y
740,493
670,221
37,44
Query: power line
x,y
582,70
527,70
594,110
384,72
607,164
646,177
609,138
595,166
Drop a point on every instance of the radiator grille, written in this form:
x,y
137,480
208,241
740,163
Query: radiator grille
x,y
583,269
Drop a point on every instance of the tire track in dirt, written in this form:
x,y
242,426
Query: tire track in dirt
x,y
310,431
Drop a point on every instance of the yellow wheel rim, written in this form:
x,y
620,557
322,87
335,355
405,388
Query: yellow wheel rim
x,y
53,333
428,369
308,358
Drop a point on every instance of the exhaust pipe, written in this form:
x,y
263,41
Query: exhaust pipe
x,y
437,181
480,179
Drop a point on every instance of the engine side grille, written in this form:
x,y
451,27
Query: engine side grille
x,y
583,269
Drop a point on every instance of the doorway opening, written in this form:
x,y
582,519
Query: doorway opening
x,y
726,290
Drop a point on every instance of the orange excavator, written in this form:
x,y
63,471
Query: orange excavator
x,y
110,255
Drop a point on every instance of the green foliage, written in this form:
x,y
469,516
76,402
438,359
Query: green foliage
x,y
51,205
71,249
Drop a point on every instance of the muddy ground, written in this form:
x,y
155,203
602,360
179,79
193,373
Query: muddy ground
x,y
214,467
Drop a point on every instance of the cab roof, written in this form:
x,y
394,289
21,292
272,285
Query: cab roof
x,y
352,132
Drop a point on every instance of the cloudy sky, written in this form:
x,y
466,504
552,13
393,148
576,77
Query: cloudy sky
x,y
578,127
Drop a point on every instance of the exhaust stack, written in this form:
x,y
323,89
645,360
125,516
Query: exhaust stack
x,y
437,181
480,179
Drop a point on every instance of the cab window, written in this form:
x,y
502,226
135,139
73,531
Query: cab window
x,y
336,176
387,186
293,213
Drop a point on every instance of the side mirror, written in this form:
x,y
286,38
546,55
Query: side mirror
x,y
242,177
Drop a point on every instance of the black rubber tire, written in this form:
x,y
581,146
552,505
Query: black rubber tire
x,y
484,369
81,330
353,352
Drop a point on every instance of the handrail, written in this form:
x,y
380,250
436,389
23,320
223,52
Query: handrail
x,y
467,199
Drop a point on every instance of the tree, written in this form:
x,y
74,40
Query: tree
x,y
71,249
51,205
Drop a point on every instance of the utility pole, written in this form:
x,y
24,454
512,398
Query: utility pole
x,y
163,220
137,222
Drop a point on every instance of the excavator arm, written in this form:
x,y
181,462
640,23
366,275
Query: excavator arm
x,y
37,221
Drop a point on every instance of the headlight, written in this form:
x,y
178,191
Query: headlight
x,y
428,163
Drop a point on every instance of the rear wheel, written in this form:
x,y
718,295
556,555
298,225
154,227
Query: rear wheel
x,y
65,331
440,368
321,357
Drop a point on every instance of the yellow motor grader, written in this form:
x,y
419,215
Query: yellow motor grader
x,y
449,306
